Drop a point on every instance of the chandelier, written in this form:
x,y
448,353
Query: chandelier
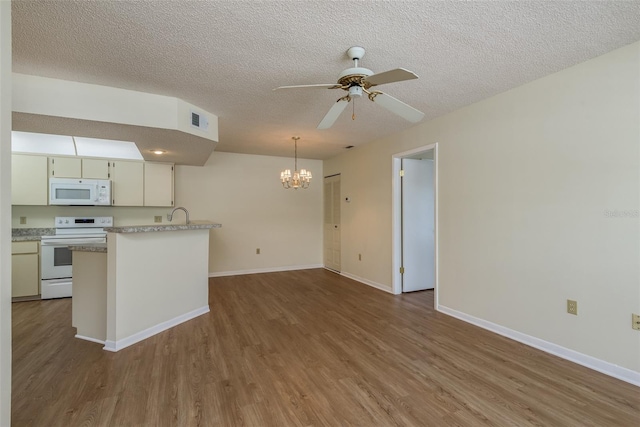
x,y
300,179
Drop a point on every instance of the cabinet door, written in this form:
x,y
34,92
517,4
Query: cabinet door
x,y
28,180
95,168
25,277
65,167
127,183
24,248
158,184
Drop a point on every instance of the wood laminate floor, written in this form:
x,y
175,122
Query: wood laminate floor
x,y
303,348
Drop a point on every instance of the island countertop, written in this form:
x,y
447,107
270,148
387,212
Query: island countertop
x,y
89,247
193,225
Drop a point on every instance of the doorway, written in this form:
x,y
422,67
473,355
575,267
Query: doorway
x,y
415,216
332,231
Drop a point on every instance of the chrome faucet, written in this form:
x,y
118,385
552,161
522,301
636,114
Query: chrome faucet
x,y
170,216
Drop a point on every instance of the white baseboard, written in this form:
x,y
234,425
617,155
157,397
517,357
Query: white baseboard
x,y
606,368
367,282
264,270
82,337
149,332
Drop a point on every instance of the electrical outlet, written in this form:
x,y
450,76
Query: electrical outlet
x,y
635,321
359,257
257,251
572,307
23,220
157,218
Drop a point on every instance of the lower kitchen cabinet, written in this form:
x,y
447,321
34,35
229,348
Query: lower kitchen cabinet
x,y
25,269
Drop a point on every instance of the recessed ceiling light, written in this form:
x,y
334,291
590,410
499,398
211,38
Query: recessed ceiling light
x,y
158,152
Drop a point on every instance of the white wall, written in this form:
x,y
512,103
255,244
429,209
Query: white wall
x,y
244,194
527,183
5,213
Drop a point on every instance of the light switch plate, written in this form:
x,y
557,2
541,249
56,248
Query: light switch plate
x,y
157,218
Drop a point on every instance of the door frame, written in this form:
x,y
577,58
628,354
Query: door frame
x,y
396,216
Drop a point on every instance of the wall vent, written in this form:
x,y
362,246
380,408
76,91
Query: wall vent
x,y
199,121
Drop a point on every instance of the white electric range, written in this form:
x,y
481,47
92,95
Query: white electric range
x,y
55,259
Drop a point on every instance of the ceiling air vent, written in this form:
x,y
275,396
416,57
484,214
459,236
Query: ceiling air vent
x,y
199,121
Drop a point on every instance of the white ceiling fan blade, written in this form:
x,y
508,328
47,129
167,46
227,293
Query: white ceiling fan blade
x,y
397,75
318,86
398,107
333,114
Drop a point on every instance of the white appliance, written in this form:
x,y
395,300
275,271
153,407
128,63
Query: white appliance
x,y
55,260
87,192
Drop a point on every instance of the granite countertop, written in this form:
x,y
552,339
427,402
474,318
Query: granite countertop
x,y
193,225
30,234
90,247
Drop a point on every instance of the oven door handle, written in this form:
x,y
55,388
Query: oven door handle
x,y
69,242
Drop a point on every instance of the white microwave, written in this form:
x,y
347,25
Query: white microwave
x,y
85,192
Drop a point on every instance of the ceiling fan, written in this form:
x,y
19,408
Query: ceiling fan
x,y
357,80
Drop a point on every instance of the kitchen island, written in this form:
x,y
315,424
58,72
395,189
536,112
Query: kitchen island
x,y
156,278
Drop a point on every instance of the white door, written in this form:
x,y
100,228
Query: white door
x,y
332,236
418,214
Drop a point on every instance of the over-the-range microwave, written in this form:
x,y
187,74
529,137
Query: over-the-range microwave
x,y
85,192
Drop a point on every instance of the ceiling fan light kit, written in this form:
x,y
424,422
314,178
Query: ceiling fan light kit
x,y
358,80
355,91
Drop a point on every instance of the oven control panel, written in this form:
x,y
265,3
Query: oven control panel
x,y
83,222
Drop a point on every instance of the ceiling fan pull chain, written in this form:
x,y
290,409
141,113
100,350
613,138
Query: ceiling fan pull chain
x,y
353,114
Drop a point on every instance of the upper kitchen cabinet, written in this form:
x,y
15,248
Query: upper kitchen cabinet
x,y
28,180
95,168
158,184
65,167
127,183
133,183
76,167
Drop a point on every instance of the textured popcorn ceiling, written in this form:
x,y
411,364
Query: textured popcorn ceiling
x,y
227,56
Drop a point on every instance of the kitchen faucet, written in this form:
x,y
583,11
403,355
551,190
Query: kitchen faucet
x,y
170,216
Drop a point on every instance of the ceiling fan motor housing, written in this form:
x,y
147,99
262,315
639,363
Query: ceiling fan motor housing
x,y
353,76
